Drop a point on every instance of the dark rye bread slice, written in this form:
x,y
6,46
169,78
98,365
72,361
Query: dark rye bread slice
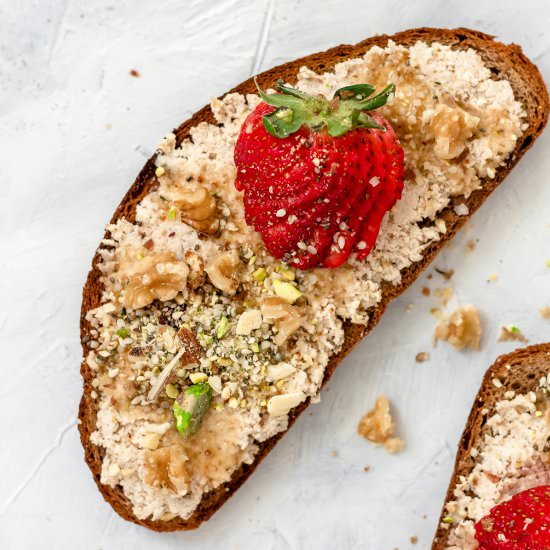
x,y
505,62
519,371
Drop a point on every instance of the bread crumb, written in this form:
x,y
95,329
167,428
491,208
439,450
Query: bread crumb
x,y
366,468
508,334
134,73
425,291
493,278
334,453
377,426
444,294
470,245
545,312
462,329
414,539
445,273
422,356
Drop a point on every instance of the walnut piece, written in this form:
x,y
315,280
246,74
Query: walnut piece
x,y
158,276
451,127
165,468
462,329
197,274
223,272
377,426
286,317
198,209
151,276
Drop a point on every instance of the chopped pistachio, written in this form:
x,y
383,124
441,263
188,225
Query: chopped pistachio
x,y
286,273
286,291
514,329
252,260
171,391
255,347
156,371
123,332
547,263
172,214
260,274
198,377
224,362
448,519
190,407
223,328
160,171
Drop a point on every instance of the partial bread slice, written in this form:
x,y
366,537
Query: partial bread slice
x,y
519,371
506,62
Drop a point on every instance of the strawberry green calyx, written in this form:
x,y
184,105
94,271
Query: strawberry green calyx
x,y
347,110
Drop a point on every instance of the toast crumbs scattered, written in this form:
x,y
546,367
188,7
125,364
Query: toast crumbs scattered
x,y
445,273
377,426
545,312
511,333
493,278
425,291
444,294
414,539
470,245
134,73
422,356
462,329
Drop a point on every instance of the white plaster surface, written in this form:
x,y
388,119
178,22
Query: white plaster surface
x,y
75,128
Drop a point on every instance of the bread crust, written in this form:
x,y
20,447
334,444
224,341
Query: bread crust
x,y
505,61
519,371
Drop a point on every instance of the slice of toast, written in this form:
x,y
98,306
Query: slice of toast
x,y
506,62
519,372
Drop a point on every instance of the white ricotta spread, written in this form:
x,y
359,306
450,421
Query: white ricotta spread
x,y
456,125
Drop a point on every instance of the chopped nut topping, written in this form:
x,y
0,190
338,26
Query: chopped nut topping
x,y
545,312
462,329
422,356
377,426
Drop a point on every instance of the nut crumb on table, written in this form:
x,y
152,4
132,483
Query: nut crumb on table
x,y
511,333
422,356
378,427
462,329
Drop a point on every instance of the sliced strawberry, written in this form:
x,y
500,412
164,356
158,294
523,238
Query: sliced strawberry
x,y
318,176
521,523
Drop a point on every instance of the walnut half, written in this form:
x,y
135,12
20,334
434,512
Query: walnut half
x,y
159,276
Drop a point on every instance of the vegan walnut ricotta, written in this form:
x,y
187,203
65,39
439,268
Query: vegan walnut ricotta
x,y
190,294
511,456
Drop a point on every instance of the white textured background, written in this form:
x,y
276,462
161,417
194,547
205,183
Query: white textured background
x,y
75,128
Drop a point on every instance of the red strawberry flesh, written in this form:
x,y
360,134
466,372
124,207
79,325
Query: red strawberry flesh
x,y
521,523
316,196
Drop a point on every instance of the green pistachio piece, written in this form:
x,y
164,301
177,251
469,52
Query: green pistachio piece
x,y
190,407
223,328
